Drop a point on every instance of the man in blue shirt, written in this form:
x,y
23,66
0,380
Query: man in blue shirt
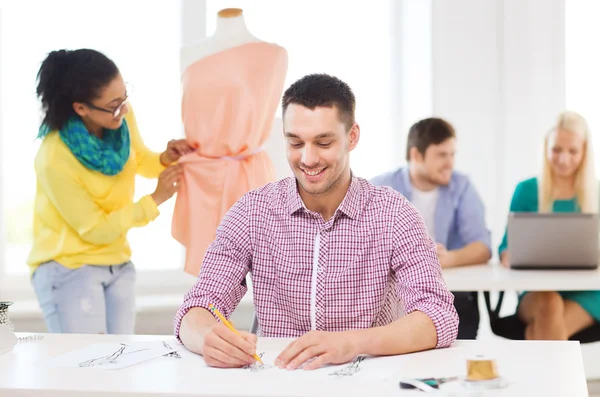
x,y
448,202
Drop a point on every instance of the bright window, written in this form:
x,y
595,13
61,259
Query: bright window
x,y
352,41
143,38
582,70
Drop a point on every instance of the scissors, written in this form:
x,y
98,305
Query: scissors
x,y
426,384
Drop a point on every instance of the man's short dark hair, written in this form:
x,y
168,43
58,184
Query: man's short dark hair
x,y
427,132
322,90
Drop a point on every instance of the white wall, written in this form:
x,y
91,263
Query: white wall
x,y
494,68
498,76
193,16
413,60
275,146
466,88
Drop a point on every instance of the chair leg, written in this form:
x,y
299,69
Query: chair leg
x,y
254,327
494,314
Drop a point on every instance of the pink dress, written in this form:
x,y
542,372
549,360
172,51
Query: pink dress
x,y
229,102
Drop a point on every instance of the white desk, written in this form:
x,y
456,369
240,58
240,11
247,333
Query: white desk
x,y
494,277
532,369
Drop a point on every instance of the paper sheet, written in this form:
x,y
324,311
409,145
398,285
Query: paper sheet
x,y
113,355
361,368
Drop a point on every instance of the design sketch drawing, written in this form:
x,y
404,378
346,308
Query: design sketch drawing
x,y
256,366
111,356
351,368
109,359
173,354
348,370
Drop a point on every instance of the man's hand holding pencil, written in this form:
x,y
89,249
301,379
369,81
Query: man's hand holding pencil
x,y
226,347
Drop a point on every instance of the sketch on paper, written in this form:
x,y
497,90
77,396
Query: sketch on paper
x,y
112,358
347,370
256,366
350,369
173,354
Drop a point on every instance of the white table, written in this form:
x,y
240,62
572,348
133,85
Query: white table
x,y
494,277
538,368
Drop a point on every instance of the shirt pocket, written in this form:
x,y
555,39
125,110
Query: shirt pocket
x,y
281,280
362,255
361,283
293,269
367,274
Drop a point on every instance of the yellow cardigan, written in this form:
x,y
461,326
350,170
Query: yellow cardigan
x,y
82,216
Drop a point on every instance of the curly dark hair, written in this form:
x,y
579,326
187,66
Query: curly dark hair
x,y
66,77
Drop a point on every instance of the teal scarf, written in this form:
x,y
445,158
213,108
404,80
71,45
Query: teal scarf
x,y
107,155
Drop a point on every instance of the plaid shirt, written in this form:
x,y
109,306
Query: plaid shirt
x,y
365,267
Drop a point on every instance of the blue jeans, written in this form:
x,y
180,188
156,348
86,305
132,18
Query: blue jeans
x,y
87,300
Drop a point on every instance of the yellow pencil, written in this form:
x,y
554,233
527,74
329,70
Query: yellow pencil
x,y
213,309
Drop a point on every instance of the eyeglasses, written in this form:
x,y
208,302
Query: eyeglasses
x,y
116,111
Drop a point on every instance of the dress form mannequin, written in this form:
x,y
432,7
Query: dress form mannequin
x,y
231,87
231,31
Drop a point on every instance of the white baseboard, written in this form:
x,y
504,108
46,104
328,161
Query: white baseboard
x,y
155,315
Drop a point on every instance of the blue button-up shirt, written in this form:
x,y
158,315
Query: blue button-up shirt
x,y
459,215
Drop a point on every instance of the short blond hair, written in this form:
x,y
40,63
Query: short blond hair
x,y
586,184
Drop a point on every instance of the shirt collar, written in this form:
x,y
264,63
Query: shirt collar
x,y
350,205
294,202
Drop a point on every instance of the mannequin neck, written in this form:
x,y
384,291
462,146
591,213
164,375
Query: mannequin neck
x,y
231,31
231,26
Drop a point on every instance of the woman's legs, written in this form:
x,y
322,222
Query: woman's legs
x,y
72,300
548,316
120,300
543,315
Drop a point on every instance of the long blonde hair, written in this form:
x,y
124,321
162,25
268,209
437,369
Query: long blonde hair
x,y
586,184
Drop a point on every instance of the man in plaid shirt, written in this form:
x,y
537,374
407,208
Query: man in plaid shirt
x,y
344,266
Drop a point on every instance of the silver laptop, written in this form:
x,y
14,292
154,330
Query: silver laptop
x,y
553,241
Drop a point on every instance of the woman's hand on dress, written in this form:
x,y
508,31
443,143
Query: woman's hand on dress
x,y
168,184
175,149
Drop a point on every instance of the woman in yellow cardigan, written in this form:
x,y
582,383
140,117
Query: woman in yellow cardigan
x,y
85,168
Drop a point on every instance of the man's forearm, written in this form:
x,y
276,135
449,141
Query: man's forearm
x,y
195,324
471,254
411,333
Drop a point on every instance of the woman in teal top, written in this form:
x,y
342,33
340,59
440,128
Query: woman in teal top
x,y
568,184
